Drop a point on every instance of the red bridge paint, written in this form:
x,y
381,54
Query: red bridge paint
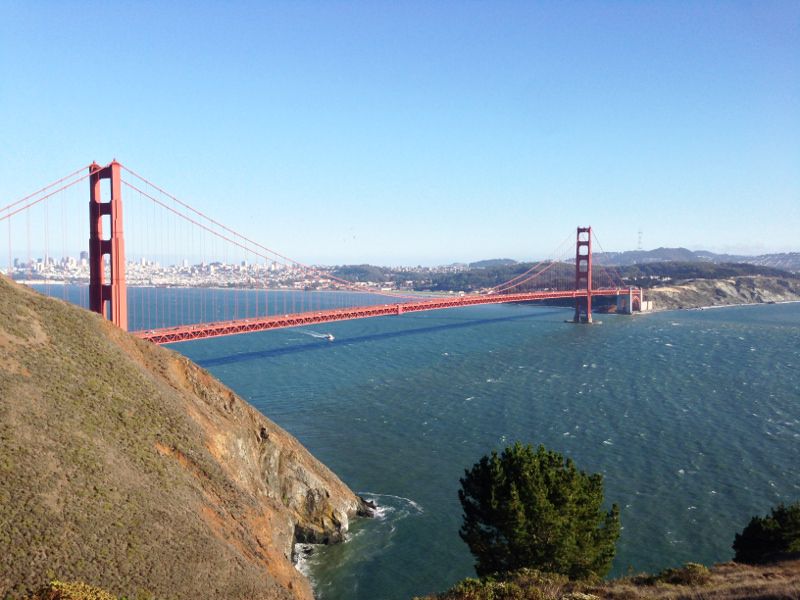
x,y
185,333
110,298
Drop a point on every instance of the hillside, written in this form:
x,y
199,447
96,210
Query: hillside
x,y
650,274
722,292
727,581
126,466
786,261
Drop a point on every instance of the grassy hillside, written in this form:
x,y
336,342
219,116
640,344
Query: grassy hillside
x,y
650,274
126,466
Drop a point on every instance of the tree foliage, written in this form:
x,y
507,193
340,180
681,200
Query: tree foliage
x,y
771,537
531,508
643,274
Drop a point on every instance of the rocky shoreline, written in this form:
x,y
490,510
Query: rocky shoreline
x,y
708,293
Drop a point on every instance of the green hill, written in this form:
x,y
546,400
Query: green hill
x,y
126,466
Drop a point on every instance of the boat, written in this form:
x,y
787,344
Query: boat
x,y
329,337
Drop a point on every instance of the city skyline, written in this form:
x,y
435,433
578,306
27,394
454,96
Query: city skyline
x,y
416,134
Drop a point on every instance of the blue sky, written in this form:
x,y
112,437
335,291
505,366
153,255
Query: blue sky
x,y
422,132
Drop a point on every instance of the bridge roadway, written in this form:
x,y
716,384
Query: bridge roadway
x,y
198,331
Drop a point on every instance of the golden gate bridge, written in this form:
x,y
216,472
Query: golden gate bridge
x,y
163,225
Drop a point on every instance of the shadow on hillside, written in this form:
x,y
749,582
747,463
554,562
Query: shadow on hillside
x,y
321,345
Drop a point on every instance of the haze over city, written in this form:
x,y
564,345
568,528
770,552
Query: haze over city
x,y
421,133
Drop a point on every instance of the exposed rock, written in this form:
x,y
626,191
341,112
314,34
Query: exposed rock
x,y
722,292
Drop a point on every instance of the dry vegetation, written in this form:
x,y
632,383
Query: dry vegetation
x,y
728,581
125,466
723,292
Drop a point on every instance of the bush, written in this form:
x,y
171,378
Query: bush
x,y
771,537
688,574
526,508
525,584
71,590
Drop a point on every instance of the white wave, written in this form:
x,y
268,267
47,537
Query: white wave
x,y
370,495
380,512
302,554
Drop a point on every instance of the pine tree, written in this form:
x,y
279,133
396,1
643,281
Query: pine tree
x,y
526,508
772,537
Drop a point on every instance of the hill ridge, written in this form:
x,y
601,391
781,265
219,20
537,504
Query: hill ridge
x,y
129,467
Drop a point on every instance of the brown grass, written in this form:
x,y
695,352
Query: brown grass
x,y
106,473
727,581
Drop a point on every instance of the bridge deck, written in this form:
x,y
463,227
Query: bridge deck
x,y
207,330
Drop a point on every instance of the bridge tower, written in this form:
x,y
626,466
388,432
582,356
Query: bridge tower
x,y
108,299
583,275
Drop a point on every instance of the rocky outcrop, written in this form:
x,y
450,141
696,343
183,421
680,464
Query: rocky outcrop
x,y
128,467
722,292
268,462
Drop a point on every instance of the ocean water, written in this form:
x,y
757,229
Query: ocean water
x,y
693,417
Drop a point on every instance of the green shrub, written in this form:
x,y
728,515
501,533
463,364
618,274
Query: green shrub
x,y
71,590
771,537
523,584
490,588
688,574
526,508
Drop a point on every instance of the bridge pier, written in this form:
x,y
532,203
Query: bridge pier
x,y
583,275
112,297
632,302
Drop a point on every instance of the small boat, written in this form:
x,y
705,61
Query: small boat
x,y
330,337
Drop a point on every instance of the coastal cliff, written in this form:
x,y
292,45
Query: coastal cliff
x,y
128,467
698,293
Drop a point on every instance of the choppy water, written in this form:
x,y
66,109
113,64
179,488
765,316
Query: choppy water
x,y
693,417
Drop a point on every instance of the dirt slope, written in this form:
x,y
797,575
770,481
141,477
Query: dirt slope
x,y
721,292
126,466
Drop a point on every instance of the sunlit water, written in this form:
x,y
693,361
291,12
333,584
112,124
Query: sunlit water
x,y
693,417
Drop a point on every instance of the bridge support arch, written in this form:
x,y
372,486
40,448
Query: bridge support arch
x,y
631,302
583,275
109,299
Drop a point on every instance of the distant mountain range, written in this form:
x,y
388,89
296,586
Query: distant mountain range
x,y
787,261
492,263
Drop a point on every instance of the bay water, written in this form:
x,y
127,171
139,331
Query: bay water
x,y
692,417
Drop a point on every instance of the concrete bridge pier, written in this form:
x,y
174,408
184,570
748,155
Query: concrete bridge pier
x,y
631,302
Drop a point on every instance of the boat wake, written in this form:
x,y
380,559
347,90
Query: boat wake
x,y
315,334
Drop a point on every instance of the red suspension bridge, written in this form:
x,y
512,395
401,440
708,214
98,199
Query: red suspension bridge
x,y
165,299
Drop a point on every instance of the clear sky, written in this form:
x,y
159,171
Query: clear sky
x,y
422,132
